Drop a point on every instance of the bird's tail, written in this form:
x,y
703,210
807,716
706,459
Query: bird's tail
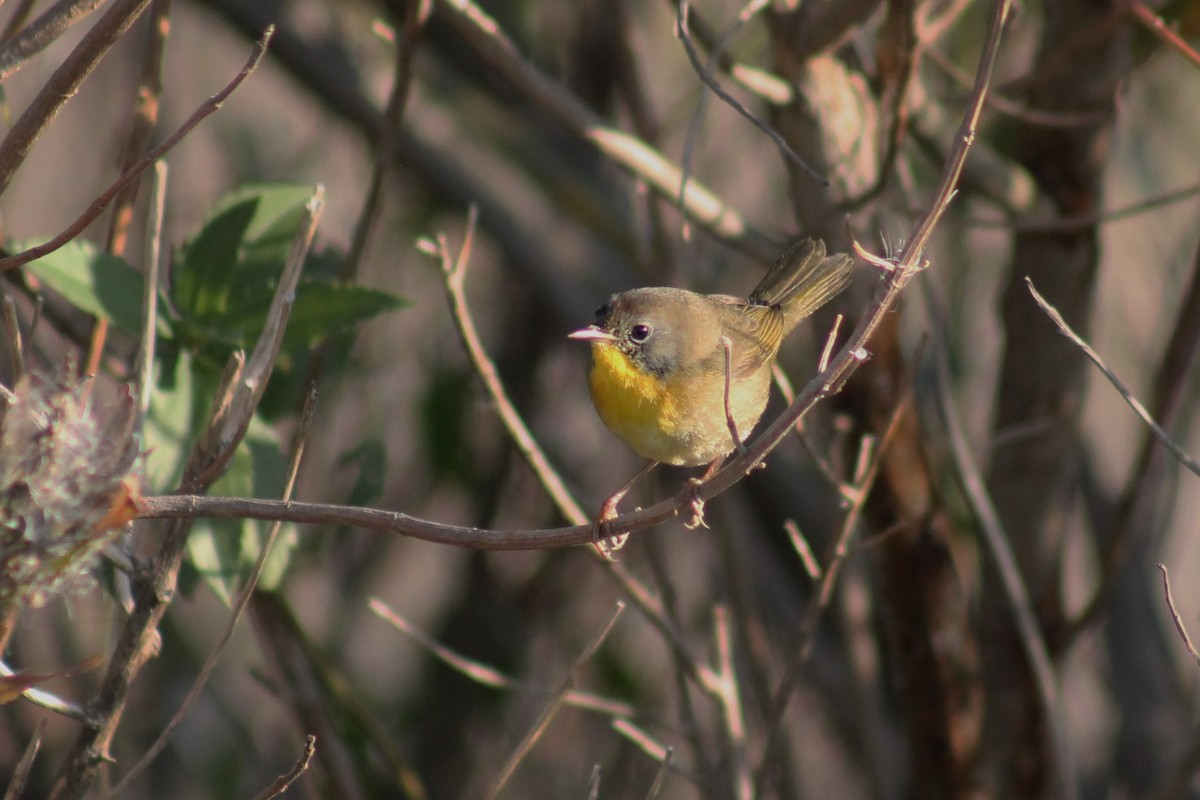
x,y
803,280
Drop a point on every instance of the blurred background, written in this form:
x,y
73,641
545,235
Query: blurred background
x,y
912,678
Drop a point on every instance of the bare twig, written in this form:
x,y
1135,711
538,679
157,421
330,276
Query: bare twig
x,y
997,544
154,585
281,784
593,787
705,75
766,85
800,544
485,35
1154,23
20,773
43,31
239,606
100,203
492,677
1179,626
552,707
1078,222
727,346
63,85
839,549
1171,377
454,272
680,670
731,706
1176,450
660,777
145,117
145,363
415,14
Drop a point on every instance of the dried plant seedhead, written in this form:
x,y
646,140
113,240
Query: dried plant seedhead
x,y
66,484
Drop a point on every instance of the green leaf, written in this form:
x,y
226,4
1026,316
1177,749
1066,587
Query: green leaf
x,y
230,266
93,281
322,310
224,551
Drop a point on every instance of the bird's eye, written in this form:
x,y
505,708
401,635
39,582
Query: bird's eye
x,y
639,333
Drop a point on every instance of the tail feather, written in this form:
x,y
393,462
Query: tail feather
x,y
803,280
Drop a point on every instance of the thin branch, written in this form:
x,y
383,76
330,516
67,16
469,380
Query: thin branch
x,y
20,773
679,672
731,707
1077,222
593,787
454,274
415,14
705,75
100,203
660,777
145,117
1154,23
63,85
490,676
1179,626
802,548
145,358
210,662
839,550
1171,376
768,86
479,31
281,784
1176,450
551,708
154,584
997,544
42,32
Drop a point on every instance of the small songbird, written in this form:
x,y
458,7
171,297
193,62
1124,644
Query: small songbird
x,y
682,377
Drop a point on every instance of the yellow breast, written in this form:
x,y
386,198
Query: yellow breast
x,y
636,405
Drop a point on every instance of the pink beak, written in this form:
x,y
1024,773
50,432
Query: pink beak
x,y
592,334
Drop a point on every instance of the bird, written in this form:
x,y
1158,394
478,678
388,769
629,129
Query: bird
x,y
682,377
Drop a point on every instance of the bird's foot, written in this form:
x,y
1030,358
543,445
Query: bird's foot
x,y
695,504
607,546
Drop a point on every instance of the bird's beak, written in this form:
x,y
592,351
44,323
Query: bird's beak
x,y
592,334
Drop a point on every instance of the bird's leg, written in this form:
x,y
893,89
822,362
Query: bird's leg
x,y
607,545
733,431
693,491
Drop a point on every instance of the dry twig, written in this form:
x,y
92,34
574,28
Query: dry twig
x,y
281,784
63,85
154,586
100,203
239,606
490,676
551,708
1176,449
1179,626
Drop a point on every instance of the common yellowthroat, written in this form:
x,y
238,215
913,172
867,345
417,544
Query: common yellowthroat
x,y
675,373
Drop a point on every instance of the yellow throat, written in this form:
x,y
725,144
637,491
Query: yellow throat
x,y
635,404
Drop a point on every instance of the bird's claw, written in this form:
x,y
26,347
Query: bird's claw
x,y
605,545
696,504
